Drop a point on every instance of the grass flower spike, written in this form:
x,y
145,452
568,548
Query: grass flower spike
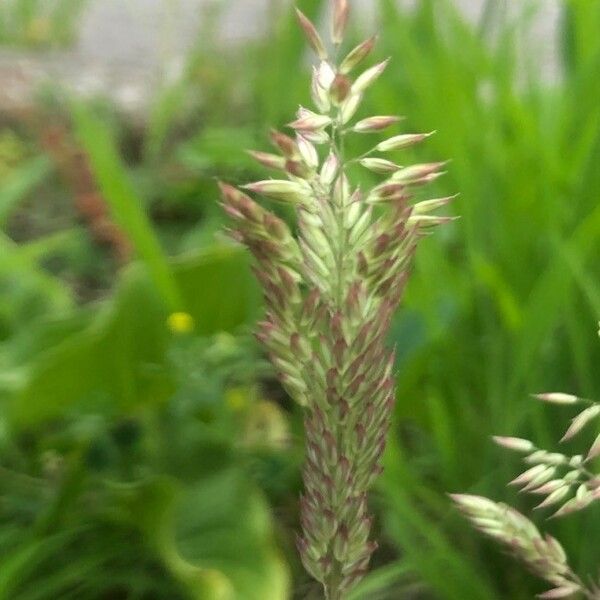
x,y
330,291
567,484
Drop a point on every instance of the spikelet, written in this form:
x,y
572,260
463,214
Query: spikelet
x,y
564,481
330,293
543,555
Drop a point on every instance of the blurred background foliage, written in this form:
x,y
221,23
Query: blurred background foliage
x,y
39,23
146,451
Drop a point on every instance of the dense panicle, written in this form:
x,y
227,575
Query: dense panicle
x,y
330,292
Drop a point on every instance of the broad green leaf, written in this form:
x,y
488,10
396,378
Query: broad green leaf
x,y
215,537
218,289
118,360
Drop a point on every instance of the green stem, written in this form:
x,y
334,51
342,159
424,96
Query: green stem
x,y
332,586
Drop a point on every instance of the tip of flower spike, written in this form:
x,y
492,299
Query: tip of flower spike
x,y
341,11
312,35
358,54
430,220
455,497
443,163
271,161
309,121
278,189
513,443
557,398
223,186
471,503
233,234
228,191
402,141
367,78
563,591
284,142
230,210
376,123
580,421
427,206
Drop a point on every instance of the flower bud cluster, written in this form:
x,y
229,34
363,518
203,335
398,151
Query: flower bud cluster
x,y
330,292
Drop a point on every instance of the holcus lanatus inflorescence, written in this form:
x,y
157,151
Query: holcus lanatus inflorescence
x,y
331,290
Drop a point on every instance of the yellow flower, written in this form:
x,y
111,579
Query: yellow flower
x,y
180,322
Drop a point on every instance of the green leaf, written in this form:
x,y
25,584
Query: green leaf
x,y
116,361
215,537
218,289
118,358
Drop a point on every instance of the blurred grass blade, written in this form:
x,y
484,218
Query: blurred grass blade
x,y
125,204
589,286
218,289
379,583
25,559
427,549
41,248
22,270
20,184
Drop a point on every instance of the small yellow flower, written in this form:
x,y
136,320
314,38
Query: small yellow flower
x,y
236,399
180,322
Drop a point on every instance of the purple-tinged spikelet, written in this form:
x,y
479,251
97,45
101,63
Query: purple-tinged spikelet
x,y
330,293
